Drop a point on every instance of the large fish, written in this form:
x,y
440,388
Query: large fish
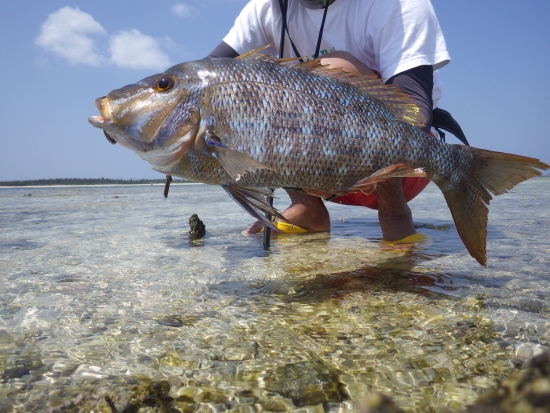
x,y
255,123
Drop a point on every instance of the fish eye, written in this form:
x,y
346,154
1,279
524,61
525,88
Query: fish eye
x,y
164,84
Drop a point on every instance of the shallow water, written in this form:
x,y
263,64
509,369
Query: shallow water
x,y
102,283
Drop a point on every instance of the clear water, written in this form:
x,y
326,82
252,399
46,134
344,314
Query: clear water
x,y
102,283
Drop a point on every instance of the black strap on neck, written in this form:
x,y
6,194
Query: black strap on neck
x,y
316,55
284,9
283,4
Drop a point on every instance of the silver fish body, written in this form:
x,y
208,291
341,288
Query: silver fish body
x,y
314,131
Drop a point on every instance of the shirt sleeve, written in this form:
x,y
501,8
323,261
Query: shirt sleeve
x,y
405,34
251,28
418,84
223,50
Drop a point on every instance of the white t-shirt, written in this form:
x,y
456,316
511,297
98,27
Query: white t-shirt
x,y
389,36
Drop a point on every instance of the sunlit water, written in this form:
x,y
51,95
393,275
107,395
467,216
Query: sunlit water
x,y
102,283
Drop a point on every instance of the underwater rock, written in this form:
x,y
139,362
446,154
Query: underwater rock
x,y
307,383
128,394
5,337
198,230
378,403
527,391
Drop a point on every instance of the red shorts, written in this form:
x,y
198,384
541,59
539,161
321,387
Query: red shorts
x,y
411,188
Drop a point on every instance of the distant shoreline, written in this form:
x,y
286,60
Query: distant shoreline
x,y
87,182
101,181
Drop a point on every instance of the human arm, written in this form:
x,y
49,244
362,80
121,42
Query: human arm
x,y
251,30
407,45
417,82
223,50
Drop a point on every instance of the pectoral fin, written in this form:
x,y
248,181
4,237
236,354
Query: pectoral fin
x,y
400,170
235,163
253,201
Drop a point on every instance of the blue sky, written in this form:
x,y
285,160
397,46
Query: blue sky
x,y
58,56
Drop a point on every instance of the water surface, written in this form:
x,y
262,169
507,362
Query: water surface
x,y
101,284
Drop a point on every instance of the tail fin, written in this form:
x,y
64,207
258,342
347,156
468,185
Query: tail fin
x,y
492,173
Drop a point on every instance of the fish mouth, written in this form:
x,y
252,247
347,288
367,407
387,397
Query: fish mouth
x,y
102,104
112,131
103,121
160,152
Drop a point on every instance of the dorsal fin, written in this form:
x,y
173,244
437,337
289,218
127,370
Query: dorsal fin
x,y
397,101
400,104
252,53
256,55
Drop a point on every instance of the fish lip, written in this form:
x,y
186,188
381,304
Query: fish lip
x,y
98,122
104,120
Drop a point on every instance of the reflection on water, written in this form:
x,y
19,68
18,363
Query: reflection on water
x,y
102,289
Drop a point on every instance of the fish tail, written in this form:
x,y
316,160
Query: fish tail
x,y
468,196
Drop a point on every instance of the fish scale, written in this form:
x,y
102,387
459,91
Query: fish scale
x,y
255,122
235,102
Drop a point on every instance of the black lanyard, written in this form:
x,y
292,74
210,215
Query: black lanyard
x,y
284,8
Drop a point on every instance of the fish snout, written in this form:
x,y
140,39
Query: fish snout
x,y
102,104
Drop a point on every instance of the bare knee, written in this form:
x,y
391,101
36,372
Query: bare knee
x,y
346,62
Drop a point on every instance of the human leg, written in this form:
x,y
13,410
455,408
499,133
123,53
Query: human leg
x,y
305,211
393,212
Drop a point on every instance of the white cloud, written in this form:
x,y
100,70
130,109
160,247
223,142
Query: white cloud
x,y
183,10
67,33
134,50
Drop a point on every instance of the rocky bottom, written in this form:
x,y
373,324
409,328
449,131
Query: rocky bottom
x,y
527,391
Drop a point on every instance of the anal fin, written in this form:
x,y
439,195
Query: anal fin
x,y
399,170
317,192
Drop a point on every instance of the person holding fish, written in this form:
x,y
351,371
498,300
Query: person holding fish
x,y
400,40
255,122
